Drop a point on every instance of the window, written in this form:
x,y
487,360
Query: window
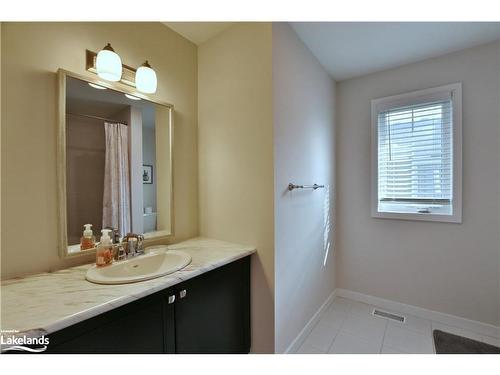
x,y
417,158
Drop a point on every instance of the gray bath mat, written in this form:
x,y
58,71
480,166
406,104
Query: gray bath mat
x,y
447,343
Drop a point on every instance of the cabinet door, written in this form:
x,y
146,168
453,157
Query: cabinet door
x,y
212,311
138,327
169,300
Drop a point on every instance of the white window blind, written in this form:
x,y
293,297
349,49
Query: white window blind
x,y
415,154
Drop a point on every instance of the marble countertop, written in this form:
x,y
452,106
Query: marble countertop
x,y
44,303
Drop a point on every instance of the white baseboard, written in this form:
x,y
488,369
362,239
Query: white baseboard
x,y
452,320
297,342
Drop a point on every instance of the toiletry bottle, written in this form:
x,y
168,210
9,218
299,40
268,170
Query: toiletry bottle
x,y
88,239
104,252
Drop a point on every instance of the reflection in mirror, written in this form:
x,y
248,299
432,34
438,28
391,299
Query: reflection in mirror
x,y
117,162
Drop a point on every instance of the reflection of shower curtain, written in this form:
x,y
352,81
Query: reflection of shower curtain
x,y
116,199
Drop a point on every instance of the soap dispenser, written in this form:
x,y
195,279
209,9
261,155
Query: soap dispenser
x,y
104,252
88,239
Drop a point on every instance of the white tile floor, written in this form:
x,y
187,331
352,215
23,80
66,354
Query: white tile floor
x,y
348,327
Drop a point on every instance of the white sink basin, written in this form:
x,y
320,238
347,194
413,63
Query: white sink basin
x,y
156,249
144,267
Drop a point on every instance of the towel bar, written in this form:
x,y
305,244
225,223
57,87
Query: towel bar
x,y
314,187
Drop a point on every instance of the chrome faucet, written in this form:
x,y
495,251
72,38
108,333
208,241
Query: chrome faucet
x,y
133,244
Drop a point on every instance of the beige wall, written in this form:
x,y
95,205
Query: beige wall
x,y
451,268
304,137
235,130
31,54
1,131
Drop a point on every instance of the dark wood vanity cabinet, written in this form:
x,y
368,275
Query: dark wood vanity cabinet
x,y
206,314
138,327
212,314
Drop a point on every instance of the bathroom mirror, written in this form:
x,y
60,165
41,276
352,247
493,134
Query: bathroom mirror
x,y
114,161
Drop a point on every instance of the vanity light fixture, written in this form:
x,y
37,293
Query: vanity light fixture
x,y
145,79
96,86
132,97
108,64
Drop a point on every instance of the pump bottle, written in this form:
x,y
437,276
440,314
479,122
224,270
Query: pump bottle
x,y
88,239
104,251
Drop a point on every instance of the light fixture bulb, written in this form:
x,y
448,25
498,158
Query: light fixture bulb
x,y
132,97
96,86
108,64
145,79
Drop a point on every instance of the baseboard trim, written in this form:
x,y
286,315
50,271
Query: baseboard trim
x,y
297,342
452,320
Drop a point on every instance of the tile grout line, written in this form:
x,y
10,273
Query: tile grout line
x,y
340,328
334,338
321,351
417,332
476,327
324,308
349,311
308,335
412,331
406,329
337,331
383,337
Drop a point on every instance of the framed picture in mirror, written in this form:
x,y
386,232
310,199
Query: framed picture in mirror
x,y
147,174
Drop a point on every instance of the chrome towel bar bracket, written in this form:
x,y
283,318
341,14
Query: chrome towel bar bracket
x,y
314,187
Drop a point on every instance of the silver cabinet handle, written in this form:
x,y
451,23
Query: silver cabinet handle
x,y
182,293
171,299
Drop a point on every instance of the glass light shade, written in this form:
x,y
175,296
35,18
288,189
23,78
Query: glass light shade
x,y
108,65
145,80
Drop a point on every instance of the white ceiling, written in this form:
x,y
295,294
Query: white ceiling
x,y
351,49
198,32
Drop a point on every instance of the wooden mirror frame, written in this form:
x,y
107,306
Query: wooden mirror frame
x,y
61,159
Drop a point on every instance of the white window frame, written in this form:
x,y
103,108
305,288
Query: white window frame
x,y
414,98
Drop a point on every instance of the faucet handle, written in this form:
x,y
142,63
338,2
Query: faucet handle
x,y
140,242
120,252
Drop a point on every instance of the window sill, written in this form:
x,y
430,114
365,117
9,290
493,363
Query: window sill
x,y
437,214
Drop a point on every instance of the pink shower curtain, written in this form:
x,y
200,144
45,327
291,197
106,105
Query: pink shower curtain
x,y
116,200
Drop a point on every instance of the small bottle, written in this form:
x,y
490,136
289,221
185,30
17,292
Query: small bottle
x,y
104,252
88,239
